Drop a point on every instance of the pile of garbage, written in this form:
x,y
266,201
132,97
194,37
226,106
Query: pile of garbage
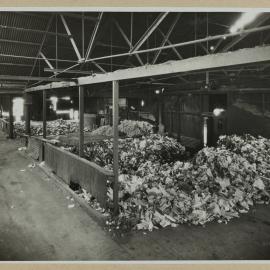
x,y
255,149
216,185
56,127
128,128
159,187
134,151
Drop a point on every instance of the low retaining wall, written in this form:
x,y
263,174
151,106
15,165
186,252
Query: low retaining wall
x,y
70,167
4,125
35,147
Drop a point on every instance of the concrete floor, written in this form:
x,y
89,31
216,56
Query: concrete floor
x,y
36,224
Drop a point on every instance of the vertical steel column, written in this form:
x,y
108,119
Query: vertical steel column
x,y
27,115
44,114
81,119
115,89
11,128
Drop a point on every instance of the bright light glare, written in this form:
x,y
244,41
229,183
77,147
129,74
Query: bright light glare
x,y
71,113
245,19
142,103
205,131
54,101
66,98
218,111
62,112
76,115
18,109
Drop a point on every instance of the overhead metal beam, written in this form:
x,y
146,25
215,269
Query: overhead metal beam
x,y
4,91
15,65
56,70
11,85
127,40
33,58
165,39
93,36
206,62
149,31
47,62
99,67
169,42
33,30
263,18
41,44
71,38
18,42
29,78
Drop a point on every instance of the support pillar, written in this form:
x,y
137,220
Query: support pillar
x,y
115,89
27,114
11,122
44,113
81,120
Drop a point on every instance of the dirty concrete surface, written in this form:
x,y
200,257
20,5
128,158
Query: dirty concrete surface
x,y
37,224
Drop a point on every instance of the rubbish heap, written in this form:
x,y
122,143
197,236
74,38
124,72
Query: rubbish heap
x,y
255,150
133,151
54,128
128,128
159,187
216,185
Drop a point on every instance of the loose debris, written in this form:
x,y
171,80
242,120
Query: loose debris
x,y
255,150
133,151
71,206
56,127
216,185
128,128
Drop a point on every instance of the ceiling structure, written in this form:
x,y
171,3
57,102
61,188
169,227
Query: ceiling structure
x,y
39,47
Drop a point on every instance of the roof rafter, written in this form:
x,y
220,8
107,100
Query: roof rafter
x,y
47,61
165,39
93,36
73,43
199,63
41,44
127,40
149,31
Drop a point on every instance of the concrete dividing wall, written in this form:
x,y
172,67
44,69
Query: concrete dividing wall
x,y
4,125
34,147
70,167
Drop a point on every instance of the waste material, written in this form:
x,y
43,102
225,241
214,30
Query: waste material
x,y
128,128
56,127
255,150
216,185
132,151
158,188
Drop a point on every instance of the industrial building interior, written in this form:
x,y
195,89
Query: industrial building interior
x,y
134,135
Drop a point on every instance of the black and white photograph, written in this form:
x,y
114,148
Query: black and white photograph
x,y
134,134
